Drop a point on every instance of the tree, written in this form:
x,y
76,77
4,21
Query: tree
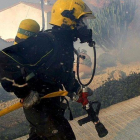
x,y
111,24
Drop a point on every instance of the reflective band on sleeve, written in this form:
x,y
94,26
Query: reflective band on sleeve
x,y
30,76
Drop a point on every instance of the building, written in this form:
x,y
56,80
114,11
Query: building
x,y
5,43
13,15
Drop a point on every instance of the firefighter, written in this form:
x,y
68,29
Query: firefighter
x,y
53,52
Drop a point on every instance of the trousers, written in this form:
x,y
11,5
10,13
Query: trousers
x,y
47,121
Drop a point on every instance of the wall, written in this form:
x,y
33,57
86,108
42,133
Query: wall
x,y
4,44
12,17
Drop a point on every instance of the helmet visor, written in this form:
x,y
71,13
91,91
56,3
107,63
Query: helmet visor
x,y
88,12
85,21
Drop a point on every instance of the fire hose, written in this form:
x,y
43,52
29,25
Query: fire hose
x,y
19,104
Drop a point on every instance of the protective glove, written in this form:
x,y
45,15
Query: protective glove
x,y
75,95
32,99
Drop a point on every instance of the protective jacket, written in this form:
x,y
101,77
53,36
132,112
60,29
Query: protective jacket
x,y
45,62
46,58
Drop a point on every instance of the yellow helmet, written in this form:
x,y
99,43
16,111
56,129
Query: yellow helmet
x,y
27,28
68,11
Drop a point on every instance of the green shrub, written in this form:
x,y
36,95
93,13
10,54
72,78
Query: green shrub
x,y
110,28
116,91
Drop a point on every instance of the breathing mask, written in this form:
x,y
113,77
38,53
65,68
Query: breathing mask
x,y
83,31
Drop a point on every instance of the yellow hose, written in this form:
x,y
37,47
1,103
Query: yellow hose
x,y
18,105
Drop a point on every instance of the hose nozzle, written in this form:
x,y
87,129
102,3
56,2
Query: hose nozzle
x,y
101,130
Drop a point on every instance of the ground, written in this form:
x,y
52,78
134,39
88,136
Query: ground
x,y
12,123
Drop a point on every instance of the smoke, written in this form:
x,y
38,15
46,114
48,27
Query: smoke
x,y
129,51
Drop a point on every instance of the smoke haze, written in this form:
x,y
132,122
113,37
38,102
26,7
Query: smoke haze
x,y
132,44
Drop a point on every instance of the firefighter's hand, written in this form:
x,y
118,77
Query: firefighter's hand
x,y
81,92
74,96
32,99
87,90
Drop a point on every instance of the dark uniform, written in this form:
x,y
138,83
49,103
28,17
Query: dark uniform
x,y
46,62
56,69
